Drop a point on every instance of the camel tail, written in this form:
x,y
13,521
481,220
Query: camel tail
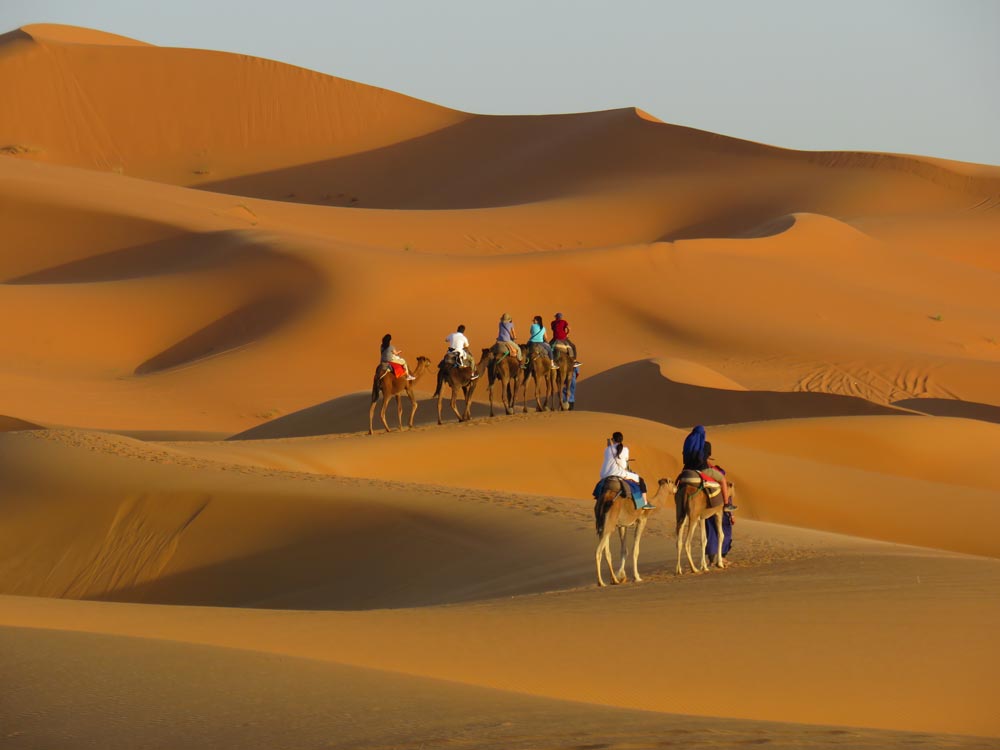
x,y
440,384
679,505
601,508
600,515
375,389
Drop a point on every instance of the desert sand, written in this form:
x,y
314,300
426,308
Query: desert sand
x,y
201,546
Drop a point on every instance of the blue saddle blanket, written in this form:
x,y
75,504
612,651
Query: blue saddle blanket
x,y
633,486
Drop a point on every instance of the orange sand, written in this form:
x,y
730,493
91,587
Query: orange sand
x,y
219,258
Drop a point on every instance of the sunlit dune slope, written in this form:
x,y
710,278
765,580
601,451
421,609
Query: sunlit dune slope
x,y
153,300
881,477
186,116
847,634
201,522
216,696
141,522
253,127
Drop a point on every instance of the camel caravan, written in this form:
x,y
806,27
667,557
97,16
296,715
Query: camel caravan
x,y
703,497
551,365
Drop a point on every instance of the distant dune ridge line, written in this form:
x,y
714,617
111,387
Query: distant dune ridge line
x,y
200,251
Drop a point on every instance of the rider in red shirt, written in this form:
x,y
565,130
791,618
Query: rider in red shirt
x,y
560,332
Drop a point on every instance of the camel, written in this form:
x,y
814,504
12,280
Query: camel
x,y
459,379
506,369
563,357
389,385
693,509
540,369
616,509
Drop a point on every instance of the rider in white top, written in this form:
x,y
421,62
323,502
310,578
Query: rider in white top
x,y
457,342
616,464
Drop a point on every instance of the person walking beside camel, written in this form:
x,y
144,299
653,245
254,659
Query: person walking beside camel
x,y
616,458
393,356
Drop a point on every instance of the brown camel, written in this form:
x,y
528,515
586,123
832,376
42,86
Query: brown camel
x,y
506,369
563,357
540,370
615,509
694,507
386,383
459,379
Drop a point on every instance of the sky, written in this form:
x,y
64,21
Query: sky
x,y
906,76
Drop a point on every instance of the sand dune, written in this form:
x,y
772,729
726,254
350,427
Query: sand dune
x,y
187,263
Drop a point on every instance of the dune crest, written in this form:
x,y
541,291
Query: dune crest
x,y
54,32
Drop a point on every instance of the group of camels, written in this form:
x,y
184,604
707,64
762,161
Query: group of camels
x,y
693,499
500,366
614,509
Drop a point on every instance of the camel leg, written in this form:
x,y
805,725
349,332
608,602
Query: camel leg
x,y
692,527
413,407
440,396
681,529
719,562
371,416
381,414
622,533
640,526
704,544
610,524
603,542
604,549
467,410
399,410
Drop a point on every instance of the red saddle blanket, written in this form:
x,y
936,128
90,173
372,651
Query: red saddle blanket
x,y
397,370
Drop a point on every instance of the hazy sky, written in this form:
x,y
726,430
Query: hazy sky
x,y
910,76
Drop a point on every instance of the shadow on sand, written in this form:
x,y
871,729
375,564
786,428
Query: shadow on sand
x,y
637,389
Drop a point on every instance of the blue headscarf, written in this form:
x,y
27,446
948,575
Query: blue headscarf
x,y
694,447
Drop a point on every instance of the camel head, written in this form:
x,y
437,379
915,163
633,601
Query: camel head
x,y
668,485
487,352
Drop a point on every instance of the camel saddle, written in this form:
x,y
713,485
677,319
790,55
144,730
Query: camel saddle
x,y
626,488
504,349
702,481
457,358
397,370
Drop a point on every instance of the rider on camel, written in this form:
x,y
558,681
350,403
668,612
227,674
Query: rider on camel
x,y
697,454
560,335
391,356
458,351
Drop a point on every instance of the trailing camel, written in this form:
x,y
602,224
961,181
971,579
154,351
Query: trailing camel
x,y
615,509
388,385
459,379
694,507
540,369
506,369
